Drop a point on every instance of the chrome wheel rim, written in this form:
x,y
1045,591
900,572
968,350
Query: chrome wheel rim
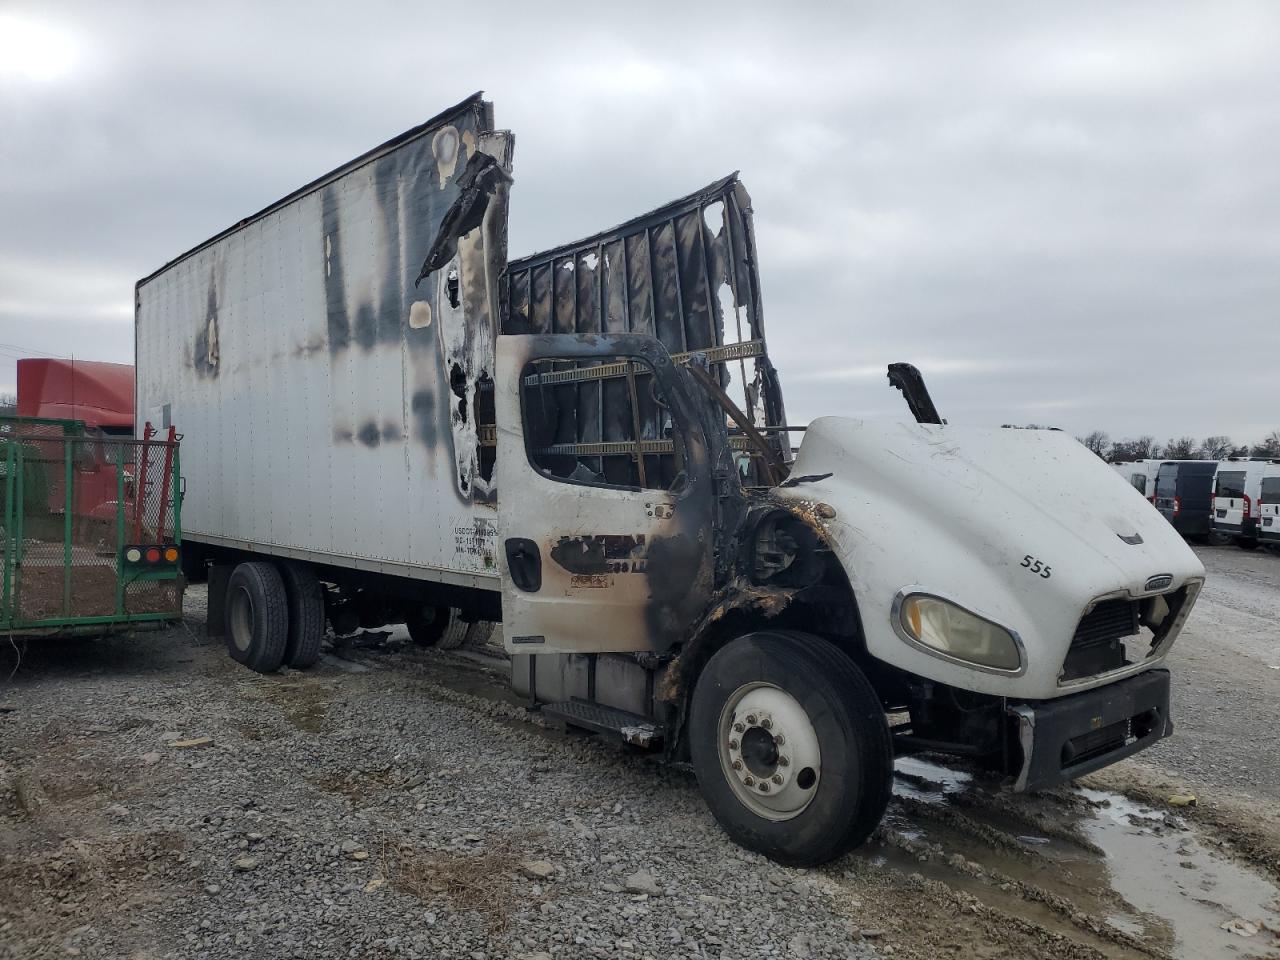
x,y
240,615
769,751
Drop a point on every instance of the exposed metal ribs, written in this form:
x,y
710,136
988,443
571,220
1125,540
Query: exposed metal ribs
x,y
685,274
625,448
607,371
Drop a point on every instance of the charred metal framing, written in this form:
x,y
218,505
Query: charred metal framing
x,y
672,274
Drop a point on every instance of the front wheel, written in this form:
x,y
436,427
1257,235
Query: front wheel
x,y
791,747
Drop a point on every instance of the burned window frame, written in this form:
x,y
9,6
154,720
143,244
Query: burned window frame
x,y
657,382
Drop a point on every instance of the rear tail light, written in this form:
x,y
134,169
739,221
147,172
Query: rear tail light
x,y
151,555
1177,506
1247,505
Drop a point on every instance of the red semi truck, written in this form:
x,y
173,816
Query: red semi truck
x,y
97,394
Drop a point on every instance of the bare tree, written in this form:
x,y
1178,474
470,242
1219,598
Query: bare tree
x,y
1184,448
1269,447
1142,448
1216,447
1097,442
1146,448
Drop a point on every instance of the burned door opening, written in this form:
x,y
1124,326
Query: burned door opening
x,y
625,528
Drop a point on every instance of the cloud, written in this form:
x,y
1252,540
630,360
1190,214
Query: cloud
x,y
935,367
1054,211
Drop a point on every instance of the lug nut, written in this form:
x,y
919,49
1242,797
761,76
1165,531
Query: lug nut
x,y
779,739
749,780
783,761
767,723
751,718
733,744
738,728
737,764
764,787
777,778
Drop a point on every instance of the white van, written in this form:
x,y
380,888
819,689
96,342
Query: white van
x,y
1141,474
1269,504
1233,510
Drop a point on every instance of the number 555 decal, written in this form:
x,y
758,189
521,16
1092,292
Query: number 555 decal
x,y
1035,566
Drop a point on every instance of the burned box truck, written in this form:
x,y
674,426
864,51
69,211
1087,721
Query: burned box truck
x,y
387,421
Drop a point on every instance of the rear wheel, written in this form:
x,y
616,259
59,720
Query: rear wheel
x,y
306,614
1245,543
462,634
791,747
428,623
257,612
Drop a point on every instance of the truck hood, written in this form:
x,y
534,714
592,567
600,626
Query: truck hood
x,y
980,516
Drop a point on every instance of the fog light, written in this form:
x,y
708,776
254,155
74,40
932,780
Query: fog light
x,y
954,632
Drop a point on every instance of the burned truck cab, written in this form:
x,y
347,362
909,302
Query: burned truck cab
x,y
676,575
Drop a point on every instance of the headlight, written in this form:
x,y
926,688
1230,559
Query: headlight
x,y
955,632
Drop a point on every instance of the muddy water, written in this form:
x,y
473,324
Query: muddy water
x,y
1093,866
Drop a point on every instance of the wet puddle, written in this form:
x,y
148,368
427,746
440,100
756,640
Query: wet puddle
x,y
1090,865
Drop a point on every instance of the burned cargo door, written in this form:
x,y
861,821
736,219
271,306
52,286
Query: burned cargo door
x,y
606,544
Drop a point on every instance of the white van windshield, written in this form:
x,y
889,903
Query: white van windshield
x,y
1231,484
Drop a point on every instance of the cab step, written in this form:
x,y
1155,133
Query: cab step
x,y
634,729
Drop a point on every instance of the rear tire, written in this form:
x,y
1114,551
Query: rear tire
x,y
306,614
428,623
1244,543
257,616
462,634
825,754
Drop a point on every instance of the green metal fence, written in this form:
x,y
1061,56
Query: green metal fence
x,y
92,527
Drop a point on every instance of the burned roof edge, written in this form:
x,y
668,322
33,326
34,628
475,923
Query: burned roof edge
x,y
657,214
367,157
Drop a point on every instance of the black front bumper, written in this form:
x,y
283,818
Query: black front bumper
x,y
1066,738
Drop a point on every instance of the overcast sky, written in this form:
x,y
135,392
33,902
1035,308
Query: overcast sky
x,y
1062,213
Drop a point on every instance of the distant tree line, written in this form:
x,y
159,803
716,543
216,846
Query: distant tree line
x,y
1217,447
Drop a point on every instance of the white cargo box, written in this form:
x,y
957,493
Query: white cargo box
x,y
325,380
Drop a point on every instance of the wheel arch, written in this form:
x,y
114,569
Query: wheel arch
x,y
827,611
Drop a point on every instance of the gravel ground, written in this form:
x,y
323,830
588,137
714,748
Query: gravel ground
x,y
1226,675
368,814
159,801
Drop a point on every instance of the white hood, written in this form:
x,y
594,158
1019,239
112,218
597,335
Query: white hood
x,y
953,511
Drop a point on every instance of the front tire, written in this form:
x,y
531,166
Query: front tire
x,y
791,747
257,612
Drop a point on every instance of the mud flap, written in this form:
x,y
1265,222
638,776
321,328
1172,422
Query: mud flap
x,y
1066,738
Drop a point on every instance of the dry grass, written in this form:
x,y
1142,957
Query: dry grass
x,y
75,877
484,881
